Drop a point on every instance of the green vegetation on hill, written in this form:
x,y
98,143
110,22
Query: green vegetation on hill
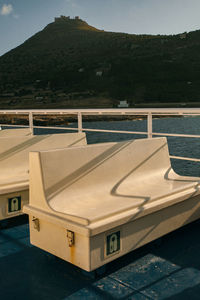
x,y
70,63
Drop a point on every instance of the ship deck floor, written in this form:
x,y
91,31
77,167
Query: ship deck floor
x,y
168,268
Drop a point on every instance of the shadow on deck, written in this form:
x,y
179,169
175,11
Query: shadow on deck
x,y
168,268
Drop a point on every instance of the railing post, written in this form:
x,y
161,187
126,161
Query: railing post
x,y
31,122
80,127
149,125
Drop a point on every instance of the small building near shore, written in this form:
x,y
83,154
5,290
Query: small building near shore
x,y
123,104
99,73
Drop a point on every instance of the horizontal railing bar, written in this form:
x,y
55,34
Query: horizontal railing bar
x,y
175,114
98,113
105,130
178,111
188,114
9,125
114,131
84,129
185,158
176,134
55,127
42,127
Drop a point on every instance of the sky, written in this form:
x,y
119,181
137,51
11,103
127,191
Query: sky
x,y
20,19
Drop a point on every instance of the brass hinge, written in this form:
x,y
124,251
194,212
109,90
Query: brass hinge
x,y
36,223
71,238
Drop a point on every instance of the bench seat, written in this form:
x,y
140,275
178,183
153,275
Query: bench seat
x,y
125,189
101,204
14,164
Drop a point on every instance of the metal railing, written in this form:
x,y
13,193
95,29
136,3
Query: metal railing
x,y
79,113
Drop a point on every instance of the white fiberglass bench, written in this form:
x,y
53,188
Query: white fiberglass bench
x,y
90,205
14,166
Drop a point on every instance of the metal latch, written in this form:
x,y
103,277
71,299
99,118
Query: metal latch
x,y
71,239
36,223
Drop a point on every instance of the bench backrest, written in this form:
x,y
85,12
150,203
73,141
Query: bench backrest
x,y
14,152
15,132
96,166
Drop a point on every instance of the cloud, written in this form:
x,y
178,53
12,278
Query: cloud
x,y
6,9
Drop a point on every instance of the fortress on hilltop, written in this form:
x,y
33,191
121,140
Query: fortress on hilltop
x,y
64,18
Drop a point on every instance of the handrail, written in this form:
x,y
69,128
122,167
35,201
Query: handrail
x,y
87,111
148,112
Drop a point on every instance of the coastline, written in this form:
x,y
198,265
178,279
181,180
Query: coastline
x,y
65,120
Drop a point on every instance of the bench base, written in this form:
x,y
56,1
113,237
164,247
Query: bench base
x,y
91,252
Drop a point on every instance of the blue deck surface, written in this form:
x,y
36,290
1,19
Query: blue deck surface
x,y
168,268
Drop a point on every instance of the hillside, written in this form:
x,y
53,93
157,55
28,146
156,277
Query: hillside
x,y
70,63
